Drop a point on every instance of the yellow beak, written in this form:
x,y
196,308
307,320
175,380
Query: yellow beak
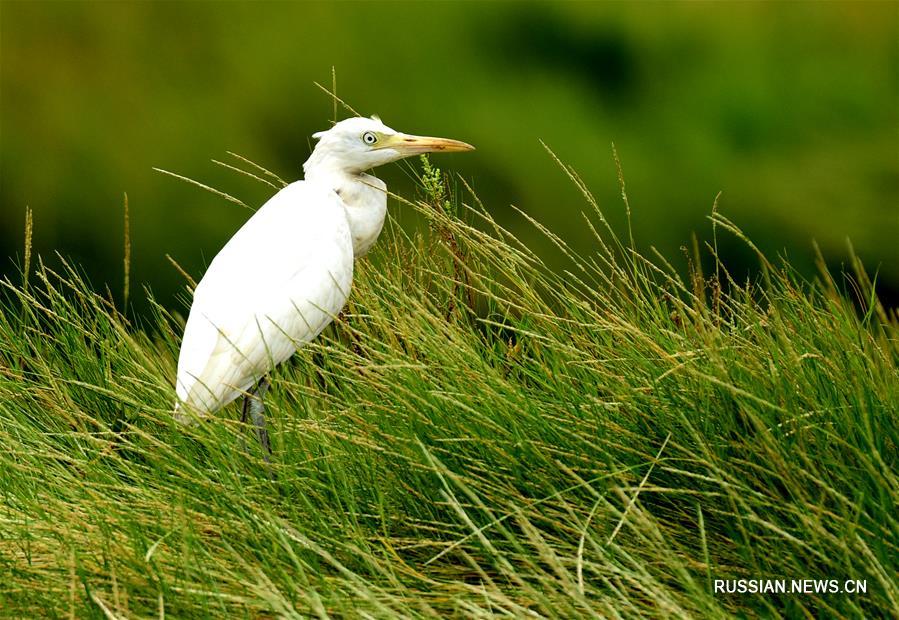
x,y
414,145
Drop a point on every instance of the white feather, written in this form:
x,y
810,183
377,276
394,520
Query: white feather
x,y
275,285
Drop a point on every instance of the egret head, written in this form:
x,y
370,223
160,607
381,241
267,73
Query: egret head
x,y
356,144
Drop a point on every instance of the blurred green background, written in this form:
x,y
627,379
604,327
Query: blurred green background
x,y
790,109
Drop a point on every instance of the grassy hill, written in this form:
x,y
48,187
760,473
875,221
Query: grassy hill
x,y
477,435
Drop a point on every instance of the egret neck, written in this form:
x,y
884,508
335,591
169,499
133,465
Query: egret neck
x,y
364,198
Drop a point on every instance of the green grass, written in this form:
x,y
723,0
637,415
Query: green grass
x,y
475,436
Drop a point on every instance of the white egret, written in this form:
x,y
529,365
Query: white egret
x,y
284,276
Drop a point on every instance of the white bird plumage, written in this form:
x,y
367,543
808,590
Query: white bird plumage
x,y
284,276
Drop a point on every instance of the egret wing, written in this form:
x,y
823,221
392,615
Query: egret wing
x,y
274,286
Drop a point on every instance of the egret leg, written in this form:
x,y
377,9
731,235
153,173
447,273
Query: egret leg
x,y
254,408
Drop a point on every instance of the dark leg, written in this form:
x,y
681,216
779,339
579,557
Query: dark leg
x,y
257,414
253,408
245,409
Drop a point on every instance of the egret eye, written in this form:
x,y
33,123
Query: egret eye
x,y
369,138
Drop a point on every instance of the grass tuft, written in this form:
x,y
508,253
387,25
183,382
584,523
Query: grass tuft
x,y
126,262
29,231
476,436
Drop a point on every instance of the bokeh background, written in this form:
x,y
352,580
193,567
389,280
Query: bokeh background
x,y
791,110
